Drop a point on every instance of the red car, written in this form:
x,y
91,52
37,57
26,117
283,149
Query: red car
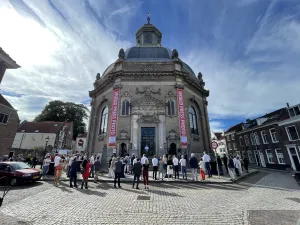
x,y
17,172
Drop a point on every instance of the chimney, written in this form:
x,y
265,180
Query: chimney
x,y
287,105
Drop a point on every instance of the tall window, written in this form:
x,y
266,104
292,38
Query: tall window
x,y
269,155
264,137
125,107
292,133
273,135
171,108
234,146
246,140
3,118
193,121
256,138
251,157
104,119
232,137
280,157
229,146
241,141
252,139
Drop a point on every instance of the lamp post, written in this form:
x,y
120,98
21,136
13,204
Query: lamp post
x,y
47,140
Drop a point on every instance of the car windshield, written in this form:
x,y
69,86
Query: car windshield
x,y
19,166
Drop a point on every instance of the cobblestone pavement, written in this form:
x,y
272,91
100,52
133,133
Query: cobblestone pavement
x,y
192,203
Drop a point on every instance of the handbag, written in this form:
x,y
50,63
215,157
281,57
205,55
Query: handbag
x,y
171,167
82,171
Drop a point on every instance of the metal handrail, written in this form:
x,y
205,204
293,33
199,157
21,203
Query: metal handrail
x,y
6,190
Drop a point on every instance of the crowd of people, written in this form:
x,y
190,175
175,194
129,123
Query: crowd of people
x,y
165,167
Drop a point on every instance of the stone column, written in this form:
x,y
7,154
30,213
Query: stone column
x,y
134,134
161,132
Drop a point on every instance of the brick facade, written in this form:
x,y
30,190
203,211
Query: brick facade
x,y
265,141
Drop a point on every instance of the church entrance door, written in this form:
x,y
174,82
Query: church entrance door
x,y
148,141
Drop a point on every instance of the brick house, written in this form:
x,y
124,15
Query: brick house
x,y
264,140
9,119
290,130
38,135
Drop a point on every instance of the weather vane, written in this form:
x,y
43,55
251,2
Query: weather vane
x,y
148,18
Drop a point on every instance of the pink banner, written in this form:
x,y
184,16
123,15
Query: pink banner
x,y
183,137
114,119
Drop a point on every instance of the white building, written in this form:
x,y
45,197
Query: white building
x,y
220,139
38,135
81,142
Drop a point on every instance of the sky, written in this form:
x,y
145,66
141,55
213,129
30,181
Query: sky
x,y
247,50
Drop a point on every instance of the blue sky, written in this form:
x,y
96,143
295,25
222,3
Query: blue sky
x,y
247,50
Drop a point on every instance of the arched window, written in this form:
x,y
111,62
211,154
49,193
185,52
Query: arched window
x,y
193,121
125,108
104,119
171,108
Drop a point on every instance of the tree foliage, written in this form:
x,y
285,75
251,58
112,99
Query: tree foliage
x,y
65,111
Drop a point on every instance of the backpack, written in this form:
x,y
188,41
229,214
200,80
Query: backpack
x,y
230,163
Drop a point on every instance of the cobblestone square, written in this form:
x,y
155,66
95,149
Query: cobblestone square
x,y
163,203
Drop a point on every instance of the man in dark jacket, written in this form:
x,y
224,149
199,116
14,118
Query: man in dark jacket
x,y
73,173
225,161
118,172
194,166
246,164
137,170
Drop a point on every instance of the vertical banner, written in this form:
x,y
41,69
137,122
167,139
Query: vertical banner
x,y
182,125
114,118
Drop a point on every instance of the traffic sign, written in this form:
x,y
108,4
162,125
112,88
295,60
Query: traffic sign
x,y
214,145
80,142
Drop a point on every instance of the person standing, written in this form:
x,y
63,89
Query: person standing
x,y
34,162
46,164
236,166
155,167
56,162
231,168
92,161
183,166
220,166
111,170
202,169
239,163
58,172
143,159
137,170
176,166
161,169
146,174
85,173
246,164
73,172
207,159
127,164
170,167
225,161
194,166
97,166
131,163
118,172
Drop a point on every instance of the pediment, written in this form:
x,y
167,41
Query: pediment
x,y
148,119
148,101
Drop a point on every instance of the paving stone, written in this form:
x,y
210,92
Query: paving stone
x,y
194,203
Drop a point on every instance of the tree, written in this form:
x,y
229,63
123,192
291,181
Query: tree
x,y
65,111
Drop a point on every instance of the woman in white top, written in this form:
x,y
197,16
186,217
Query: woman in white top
x,y
202,169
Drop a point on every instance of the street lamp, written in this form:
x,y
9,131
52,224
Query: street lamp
x,y
47,139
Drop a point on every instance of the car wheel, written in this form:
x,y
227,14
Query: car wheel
x,y
13,181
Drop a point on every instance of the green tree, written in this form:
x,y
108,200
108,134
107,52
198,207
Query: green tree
x,y
65,111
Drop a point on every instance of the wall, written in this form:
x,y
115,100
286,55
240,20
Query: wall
x,y
32,140
8,131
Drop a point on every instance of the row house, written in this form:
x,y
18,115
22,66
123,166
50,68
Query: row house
x,y
9,119
49,135
219,137
270,141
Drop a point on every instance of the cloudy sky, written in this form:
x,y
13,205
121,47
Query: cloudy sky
x,y
247,50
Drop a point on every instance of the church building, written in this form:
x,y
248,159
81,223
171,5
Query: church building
x,y
148,101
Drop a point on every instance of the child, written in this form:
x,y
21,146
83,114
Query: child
x,y
58,172
202,169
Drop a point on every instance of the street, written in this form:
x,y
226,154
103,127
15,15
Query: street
x,y
262,198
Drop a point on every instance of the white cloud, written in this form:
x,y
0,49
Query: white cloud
x,y
59,55
216,126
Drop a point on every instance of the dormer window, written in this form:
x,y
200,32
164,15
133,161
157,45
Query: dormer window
x,y
36,131
22,131
294,111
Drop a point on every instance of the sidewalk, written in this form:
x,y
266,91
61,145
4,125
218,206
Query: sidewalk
x,y
128,178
